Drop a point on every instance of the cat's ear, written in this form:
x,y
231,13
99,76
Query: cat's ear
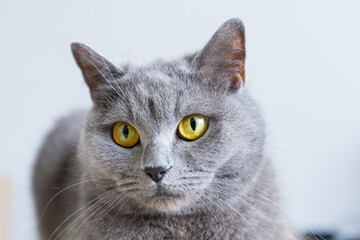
x,y
96,69
222,60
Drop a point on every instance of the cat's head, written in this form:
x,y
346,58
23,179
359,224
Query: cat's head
x,y
169,132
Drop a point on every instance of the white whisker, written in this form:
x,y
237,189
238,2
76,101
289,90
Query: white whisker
x,y
236,211
92,202
57,194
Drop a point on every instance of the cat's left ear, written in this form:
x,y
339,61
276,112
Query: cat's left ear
x,y
221,63
96,69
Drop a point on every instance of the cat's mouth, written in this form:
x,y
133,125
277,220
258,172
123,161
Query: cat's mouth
x,y
163,192
163,199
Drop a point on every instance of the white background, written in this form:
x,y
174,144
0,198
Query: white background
x,y
302,66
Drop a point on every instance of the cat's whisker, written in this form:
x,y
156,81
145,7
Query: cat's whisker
x,y
236,211
85,216
198,171
122,220
118,211
129,183
217,205
195,177
253,208
66,188
96,200
290,217
208,209
108,207
88,213
84,224
265,201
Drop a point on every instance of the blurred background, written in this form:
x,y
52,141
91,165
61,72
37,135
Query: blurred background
x,y
303,67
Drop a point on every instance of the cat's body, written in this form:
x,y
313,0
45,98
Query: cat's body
x,y
220,186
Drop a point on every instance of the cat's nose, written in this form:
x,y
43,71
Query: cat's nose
x,y
156,173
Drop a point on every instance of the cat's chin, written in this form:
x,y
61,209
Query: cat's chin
x,y
165,205
164,201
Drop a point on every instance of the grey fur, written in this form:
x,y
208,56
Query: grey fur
x,y
220,186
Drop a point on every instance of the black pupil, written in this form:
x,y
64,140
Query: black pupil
x,y
126,131
193,124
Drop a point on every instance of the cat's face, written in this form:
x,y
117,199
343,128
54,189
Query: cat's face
x,y
154,99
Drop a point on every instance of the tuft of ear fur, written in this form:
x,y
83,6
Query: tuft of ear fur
x,y
222,60
96,69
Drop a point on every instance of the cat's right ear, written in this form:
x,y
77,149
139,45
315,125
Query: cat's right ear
x,y
96,69
221,63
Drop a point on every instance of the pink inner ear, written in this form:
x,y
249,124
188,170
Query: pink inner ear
x,y
239,77
237,61
243,76
224,55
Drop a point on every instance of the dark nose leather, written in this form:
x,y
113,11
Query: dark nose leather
x,y
156,173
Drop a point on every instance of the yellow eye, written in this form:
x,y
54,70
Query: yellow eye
x,y
192,127
125,135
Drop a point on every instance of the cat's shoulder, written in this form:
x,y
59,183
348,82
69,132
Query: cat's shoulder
x,y
55,168
62,138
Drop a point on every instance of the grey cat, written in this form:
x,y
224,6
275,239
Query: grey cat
x,y
170,150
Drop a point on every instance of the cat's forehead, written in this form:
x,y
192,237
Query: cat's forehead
x,y
161,93
159,72
157,81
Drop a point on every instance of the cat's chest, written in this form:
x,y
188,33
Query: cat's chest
x,y
186,227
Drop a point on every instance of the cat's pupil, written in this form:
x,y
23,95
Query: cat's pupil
x,y
193,124
126,131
